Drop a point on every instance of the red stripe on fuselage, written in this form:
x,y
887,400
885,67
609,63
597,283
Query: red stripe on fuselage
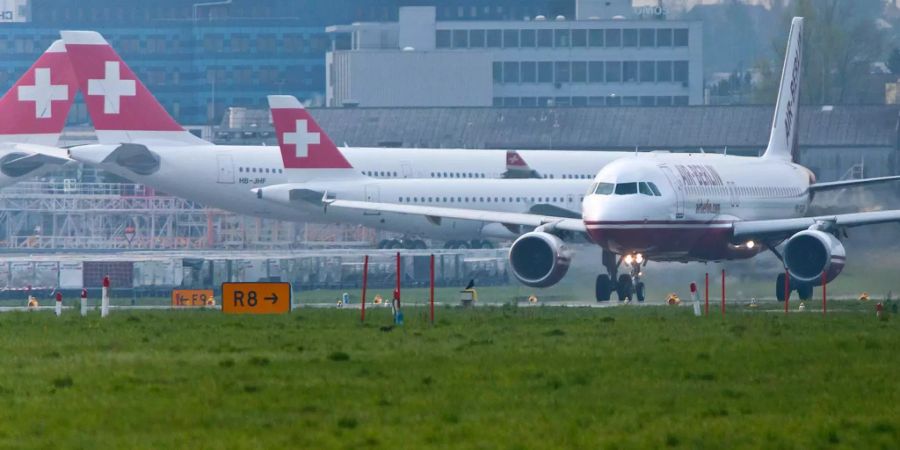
x,y
696,240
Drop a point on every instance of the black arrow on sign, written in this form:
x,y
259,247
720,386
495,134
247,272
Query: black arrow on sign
x,y
273,299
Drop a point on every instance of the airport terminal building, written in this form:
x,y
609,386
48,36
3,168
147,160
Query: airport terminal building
x,y
603,56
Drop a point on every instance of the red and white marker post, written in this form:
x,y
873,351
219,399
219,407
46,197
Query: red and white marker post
x,y
104,298
695,298
83,302
58,303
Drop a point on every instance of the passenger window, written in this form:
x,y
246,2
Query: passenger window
x,y
605,188
626,188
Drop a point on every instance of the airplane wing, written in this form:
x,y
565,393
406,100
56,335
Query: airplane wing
x,y
784,227
436,213
818,187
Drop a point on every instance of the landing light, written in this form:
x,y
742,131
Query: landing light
x,y
751,244
639,258
628,259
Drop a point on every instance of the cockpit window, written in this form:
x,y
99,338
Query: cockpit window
x,y
604,188
626,188
644,188
654,189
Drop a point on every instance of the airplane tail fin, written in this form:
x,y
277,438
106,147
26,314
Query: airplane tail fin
x,y
121,107
517,167
303,143
34,111
783,140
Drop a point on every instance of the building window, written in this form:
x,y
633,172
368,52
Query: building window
x,y
596,101
545,38
545,101
648,71
664,101
579,72
511,38
630,101
629,37
648,101
648,37
529,40
680,71
442,38
563,38
494,38
579,38
511,101
630,71
545,72
664,37
613,71
562,101
266,43
680,100
460,38
664,71
595,71
681,37
614,37
563,72
530,102
476,38
529,72
613,100
595,38
498,72
511,72
579,101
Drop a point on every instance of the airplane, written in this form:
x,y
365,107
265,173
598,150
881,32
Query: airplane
x,y
140,141
686,208
32,116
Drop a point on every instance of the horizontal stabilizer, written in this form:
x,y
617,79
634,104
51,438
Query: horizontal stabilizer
x,y
819,187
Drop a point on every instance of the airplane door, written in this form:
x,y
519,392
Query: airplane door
x,y
225,169
406,169
678,188
373,194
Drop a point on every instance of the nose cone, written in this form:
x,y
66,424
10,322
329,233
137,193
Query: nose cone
x,y
91,154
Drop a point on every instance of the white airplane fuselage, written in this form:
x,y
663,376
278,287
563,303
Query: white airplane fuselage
x,y
223,177
702,195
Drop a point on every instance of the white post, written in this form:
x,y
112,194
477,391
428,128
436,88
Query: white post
x,y
84,303
695,298
58,305
104,298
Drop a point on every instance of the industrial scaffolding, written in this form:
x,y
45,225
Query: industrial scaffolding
x,y
68,215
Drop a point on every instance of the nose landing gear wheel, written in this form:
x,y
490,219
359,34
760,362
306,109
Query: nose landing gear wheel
x,y
602,288
624,288
805,292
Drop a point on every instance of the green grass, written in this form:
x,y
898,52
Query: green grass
x,y
488,378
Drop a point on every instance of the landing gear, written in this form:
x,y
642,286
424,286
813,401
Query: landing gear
x,y
603,288
779,288
624,287
804,290
627,286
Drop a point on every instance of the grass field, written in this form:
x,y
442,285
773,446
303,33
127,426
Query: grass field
x,y
626,377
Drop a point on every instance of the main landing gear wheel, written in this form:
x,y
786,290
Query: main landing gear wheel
x,y
779,288
624,287
805,292
602,288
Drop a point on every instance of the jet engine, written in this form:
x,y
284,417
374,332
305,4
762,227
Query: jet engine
x,y
810,253
539,259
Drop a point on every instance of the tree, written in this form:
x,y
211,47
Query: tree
x,y
841,40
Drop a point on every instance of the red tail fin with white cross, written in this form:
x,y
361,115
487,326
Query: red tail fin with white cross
x,y
121,107
303,143
34,111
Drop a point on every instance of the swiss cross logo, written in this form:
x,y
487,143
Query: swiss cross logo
x,y
302,138
513,159
112,87
43,93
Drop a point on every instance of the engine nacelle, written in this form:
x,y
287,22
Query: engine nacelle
x,y
539,259
809,253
